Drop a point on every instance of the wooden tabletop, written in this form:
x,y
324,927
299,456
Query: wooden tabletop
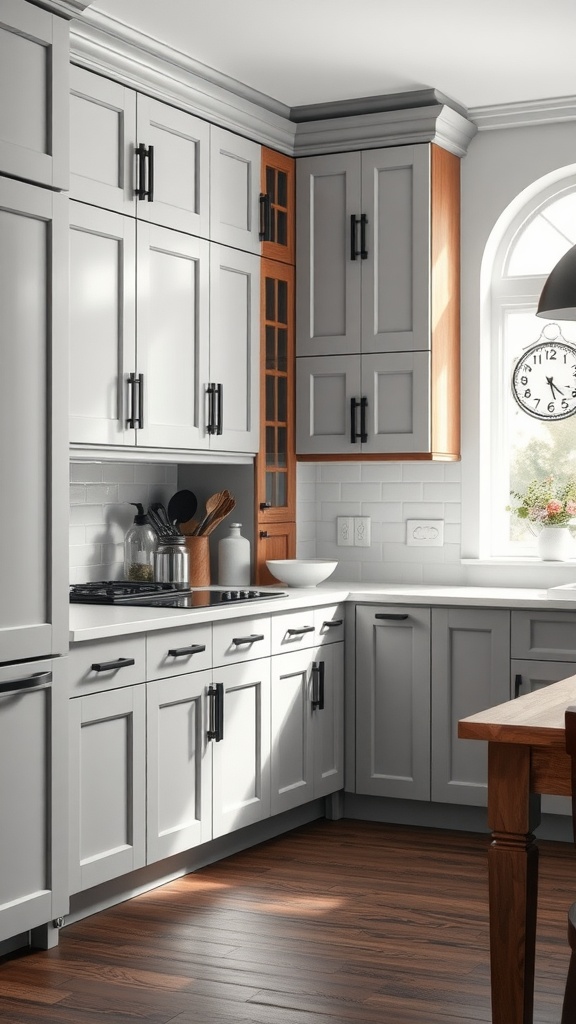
x,y
536,718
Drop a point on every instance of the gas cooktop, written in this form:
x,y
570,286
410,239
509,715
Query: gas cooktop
x,y
162,595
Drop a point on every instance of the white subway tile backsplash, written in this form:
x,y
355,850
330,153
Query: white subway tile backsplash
x,y
441,492
422,471
402,492
340,472
77,494
101,494
423,510
361,492
85,472
380,472
453,472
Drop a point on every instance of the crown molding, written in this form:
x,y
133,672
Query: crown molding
x,y
438,123
112,49
67,8
374,105
526,114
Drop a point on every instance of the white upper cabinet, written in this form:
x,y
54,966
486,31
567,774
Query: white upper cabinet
x,y
234,190
34,88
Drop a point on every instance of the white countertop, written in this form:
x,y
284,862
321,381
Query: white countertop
x,y
93,622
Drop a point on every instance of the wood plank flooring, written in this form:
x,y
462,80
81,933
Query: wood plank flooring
x,y
335,923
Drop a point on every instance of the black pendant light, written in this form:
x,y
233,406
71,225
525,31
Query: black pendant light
x,y
558,298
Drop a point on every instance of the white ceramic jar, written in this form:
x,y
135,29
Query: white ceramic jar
x,y
234,563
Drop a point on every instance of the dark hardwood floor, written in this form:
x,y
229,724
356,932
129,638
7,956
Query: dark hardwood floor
x,y
335,923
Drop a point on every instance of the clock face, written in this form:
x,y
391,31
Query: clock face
x,y
544,380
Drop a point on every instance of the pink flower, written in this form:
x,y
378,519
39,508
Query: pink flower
x,y
554,507
571,508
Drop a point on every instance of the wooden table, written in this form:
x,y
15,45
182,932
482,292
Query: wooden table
x,y
526,757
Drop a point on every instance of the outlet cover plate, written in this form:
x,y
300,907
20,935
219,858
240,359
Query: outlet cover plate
x,y
425,533
345,531
362,531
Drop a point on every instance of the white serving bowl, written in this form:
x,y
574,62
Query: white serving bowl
x,y
301,572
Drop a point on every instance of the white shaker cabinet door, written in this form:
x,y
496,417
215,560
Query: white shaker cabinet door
x,y
292,753
173,337
234,190
241,759
396,386
34,135
326,388
102,142
102,325
329,280
328,720
179,765
176,173
235,348
396,272
107,785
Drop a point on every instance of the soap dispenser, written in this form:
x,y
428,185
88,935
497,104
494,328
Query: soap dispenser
x,y
139,547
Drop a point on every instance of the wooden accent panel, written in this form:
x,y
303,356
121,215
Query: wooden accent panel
x,y
276,540
445,302
279,182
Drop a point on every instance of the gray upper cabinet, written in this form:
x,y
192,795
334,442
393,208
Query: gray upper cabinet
x,y
377,304
234,190
34,89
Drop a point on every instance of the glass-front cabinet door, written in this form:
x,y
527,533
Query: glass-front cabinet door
x,y
277,201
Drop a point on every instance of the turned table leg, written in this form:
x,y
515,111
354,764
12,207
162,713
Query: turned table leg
x,y
513,813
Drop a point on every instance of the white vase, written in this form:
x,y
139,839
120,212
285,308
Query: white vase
x,y
234,559
555,544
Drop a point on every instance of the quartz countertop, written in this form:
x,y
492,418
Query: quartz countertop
x,y
92,622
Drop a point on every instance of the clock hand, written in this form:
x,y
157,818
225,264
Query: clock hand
x,y
553,387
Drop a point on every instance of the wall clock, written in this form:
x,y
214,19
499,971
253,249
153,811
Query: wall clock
x,y
544,378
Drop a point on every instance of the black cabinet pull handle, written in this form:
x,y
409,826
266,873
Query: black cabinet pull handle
x,y
332,623
216,695
26,682
517,685
139,418
263,534
131,419
110,666
353,223
219,414
181,652
386,615
264,505
150,193
363,249
141,165
252,639
211,424
264,234
354,403
318,685
363,407
300,630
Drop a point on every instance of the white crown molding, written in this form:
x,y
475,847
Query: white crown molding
x,y
521,115
67,8
110,48
437,123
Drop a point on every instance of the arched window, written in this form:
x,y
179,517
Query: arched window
x,y
517,447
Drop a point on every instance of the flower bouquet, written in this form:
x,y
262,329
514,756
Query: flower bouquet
x,y
545,503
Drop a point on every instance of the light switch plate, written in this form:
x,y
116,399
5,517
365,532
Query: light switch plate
x,y
427,533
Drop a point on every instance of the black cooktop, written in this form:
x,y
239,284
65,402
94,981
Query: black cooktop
x,y
161,595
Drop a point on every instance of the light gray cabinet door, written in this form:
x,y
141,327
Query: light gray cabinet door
x,y
241,759
396,272
470,672
177,171
34,137
325,388
172,337
102,142
107,785
234,190
179,765
33,795
33,429
102,325
393,701
235,349
328,300
397,390
327,703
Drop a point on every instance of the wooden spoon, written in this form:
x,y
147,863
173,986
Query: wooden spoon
x,y
221,513
212,504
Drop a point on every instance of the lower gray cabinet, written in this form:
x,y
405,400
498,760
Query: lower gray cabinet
x,y
393,701
307,725
470,672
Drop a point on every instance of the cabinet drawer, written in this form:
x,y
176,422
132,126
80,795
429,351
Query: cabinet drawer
x,y
543,635
121,661
329,623
241,640
171,652
292,631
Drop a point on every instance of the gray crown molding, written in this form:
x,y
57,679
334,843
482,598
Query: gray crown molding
x,y
522,115
109,48
440,124
374,105
67,8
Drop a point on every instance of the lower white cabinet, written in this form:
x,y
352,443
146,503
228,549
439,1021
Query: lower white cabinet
x,y
418,671
307,718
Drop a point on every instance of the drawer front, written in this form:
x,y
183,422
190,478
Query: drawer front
x,y
329,624
105,664
172,652
240,640
544,636
293,631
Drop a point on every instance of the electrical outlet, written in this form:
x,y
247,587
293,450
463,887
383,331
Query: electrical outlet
x,y
362,531
427,533
345,531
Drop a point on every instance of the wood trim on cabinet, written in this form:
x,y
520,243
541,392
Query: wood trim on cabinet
x,y
276,540
273,250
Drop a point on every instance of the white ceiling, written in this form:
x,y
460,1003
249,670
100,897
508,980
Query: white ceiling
x,y
311,51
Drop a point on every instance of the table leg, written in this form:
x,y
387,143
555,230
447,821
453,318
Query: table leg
x,y
513,813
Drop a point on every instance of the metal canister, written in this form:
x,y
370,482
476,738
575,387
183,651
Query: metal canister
x,y
171,562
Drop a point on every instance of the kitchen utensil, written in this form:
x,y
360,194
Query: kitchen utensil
x,y
160,510
182,507
158,525
189,529
222,511
212,504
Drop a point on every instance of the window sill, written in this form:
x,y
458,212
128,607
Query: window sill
x,y
518,561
